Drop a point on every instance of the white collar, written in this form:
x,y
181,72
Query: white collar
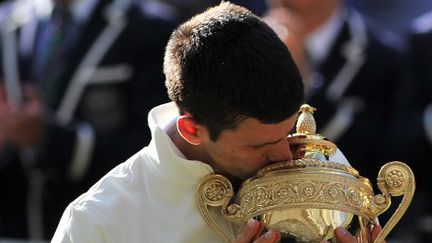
x,y
169,160
162,116
319,42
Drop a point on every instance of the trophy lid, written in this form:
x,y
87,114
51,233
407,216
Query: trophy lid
x,y
318,150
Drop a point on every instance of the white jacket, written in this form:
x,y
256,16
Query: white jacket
x,y
148,198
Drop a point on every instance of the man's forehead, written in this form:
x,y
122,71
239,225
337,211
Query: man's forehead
x,y
251,129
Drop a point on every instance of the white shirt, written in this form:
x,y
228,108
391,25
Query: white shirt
x,y
148,198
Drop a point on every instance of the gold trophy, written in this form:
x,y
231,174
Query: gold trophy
x,y
307,198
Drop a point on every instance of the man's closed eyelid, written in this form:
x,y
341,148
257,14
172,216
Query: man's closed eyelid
x,y
264,144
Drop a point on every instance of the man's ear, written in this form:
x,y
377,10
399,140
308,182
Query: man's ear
x,y
188,129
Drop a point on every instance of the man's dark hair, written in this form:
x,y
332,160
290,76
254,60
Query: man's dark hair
x,y
225,65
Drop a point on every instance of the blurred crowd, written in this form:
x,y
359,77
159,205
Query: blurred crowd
x,y
78,77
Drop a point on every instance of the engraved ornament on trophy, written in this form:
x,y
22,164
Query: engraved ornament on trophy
x,y
307,198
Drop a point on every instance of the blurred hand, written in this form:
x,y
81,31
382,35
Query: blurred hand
x,y
344,236
22,126
253,233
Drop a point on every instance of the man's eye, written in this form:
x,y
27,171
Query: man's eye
x,y
257,146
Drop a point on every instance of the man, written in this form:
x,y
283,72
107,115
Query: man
x,y
351,69
235,92
77,78
413,123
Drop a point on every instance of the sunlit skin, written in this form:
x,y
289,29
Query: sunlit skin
x,y
238,152
243,151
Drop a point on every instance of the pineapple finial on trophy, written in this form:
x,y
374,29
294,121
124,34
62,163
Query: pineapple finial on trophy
x,y
306,122
310,142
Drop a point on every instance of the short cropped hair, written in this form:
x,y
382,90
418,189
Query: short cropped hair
x,y
225,65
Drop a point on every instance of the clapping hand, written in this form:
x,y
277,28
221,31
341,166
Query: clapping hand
x,y
23,125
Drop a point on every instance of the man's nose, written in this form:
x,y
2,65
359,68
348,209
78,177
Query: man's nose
x,y
280,151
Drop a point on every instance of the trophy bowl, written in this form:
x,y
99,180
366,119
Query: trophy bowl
x,y
306,199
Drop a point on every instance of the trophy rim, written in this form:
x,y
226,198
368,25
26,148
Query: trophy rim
x,y
354,192
305,163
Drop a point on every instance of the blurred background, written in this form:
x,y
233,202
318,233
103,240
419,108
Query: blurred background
x,y
394,15
406,109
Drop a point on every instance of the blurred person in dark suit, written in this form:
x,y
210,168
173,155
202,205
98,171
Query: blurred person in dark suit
x,y
351,71
258,7
187,8
412,127
77,81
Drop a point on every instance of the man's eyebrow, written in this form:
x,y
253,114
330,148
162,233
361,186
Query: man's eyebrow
x,y
270,143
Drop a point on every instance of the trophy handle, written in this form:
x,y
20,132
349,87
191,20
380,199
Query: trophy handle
x,y
214,190
394,179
